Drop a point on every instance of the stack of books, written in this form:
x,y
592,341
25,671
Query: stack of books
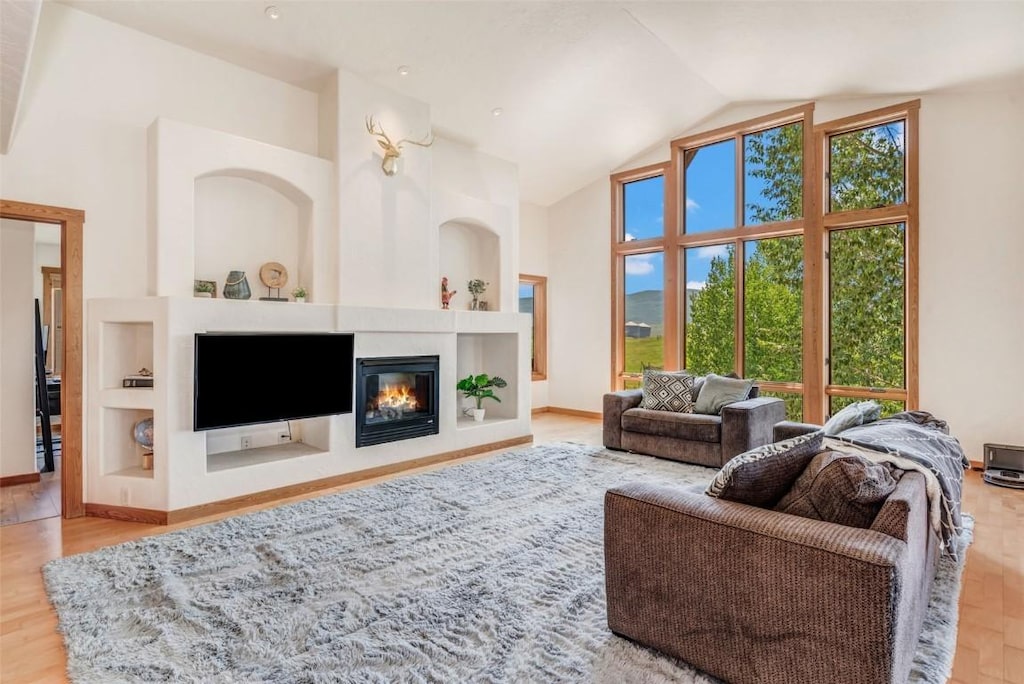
x,y
137,381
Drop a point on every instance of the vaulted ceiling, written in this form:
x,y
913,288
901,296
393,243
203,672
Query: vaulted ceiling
x,y
584,86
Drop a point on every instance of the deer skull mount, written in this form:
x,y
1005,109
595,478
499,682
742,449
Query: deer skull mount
x,y
392,151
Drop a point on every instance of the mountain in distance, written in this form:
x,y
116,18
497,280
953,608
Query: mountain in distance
x,y
646,307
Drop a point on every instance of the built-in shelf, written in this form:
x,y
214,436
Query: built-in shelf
x,y
128,398
468,423
135,471
227,460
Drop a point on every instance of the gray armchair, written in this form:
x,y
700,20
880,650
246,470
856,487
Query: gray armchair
x,y
690,437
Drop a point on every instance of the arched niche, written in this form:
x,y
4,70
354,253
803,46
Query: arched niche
x,y
469,249
244,219
182,157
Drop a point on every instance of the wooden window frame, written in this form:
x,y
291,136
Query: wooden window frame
x,y
539,368
906,213
815,225
620,249
740,234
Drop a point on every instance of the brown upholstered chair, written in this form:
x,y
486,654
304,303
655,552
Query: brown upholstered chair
x,y
690,437
751,595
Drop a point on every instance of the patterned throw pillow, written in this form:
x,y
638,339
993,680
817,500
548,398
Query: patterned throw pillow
x,y
839,487
762,476
857,413
667,391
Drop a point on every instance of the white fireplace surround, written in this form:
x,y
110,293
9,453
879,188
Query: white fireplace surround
x,y
195,468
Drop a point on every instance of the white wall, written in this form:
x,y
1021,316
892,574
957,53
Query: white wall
x,y
468,252
579,344
94,87
533,260
387,251
17,355
971,281
240,225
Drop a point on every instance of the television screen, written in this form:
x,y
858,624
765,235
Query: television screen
x,y
246,378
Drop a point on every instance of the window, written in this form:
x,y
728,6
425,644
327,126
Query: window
x,y
744,292
870,242
533,299
643,307
787,252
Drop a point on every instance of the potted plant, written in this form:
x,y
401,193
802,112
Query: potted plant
x,y
300,294
479,387
476,288
204,288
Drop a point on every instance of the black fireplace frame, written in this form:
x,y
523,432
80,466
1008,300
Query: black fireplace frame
x,y
408,428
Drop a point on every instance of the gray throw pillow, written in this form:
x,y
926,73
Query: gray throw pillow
x,y
857,413
718,391
839,487
762,476
667,391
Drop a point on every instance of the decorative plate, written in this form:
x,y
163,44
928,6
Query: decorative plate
x,y
143,433
273,274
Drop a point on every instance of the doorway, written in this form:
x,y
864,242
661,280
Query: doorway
x,y
65,354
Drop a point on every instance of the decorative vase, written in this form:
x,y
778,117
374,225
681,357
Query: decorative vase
x,y
204,294
474,304
478,414
236,286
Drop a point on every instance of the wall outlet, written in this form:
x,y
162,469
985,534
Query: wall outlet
x,y
283,438
247,442
126,496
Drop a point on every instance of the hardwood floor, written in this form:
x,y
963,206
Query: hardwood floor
x,y
990,644
33,501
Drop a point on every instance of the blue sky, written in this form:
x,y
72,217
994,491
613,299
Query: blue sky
x,y
710,205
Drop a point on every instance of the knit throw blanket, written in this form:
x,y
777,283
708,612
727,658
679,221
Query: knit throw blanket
x,y
924,441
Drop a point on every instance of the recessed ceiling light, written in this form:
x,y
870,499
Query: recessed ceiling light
x,y
272,12
497,111
403,70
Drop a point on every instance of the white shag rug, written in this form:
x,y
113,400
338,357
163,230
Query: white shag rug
x,y
487,571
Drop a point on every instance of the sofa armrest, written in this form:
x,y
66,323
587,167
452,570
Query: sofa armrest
x,y
703,579
788,429
615,404
748,424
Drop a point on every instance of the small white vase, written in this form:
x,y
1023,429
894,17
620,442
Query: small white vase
x,y
206,295
478,414
300,300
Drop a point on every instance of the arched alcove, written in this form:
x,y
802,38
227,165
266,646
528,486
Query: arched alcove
x,y
243,220
469,250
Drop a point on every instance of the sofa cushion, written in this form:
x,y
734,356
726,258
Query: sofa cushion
x,y
691,426
857,413
667,391
839,487
762,476
718,391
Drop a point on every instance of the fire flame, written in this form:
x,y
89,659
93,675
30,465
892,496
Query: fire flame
x,y
399,397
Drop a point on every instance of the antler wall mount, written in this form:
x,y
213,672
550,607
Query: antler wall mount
x,y
392,151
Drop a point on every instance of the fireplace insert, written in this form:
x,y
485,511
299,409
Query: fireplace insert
x,y
396,398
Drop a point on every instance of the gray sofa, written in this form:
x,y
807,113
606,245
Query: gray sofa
x,y
751,595
690,437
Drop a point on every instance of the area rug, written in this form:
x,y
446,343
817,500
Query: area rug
x,y
490,571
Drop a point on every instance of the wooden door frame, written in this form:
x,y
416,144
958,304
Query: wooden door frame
x,y
48,273
71,222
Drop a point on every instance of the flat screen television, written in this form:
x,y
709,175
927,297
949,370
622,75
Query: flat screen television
x,y
248,378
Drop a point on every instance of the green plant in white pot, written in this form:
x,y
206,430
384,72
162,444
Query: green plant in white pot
x,y
479,387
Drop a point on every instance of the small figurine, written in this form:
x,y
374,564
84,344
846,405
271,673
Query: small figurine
x,y
446,296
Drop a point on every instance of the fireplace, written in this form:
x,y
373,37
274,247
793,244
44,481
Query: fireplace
x,y
396,398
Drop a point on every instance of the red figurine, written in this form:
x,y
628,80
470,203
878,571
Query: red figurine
x,y
445,294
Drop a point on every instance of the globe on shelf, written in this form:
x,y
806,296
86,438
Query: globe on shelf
x,y
142,433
